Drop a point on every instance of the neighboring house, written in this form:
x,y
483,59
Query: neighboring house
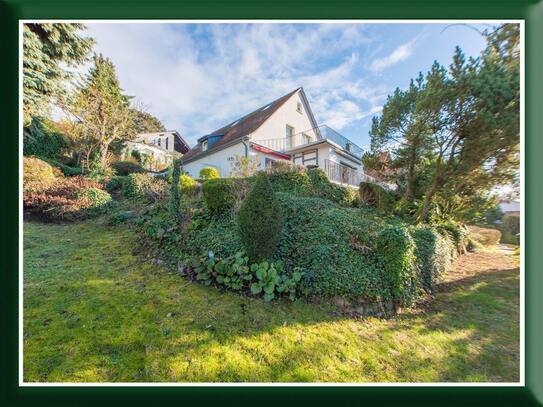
x,y
510,207
283,130
162,146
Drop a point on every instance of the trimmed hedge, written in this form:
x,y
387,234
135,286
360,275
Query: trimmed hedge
x,y
260,220
38,174
218,194
434,254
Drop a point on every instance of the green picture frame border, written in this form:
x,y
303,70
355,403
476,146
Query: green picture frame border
x,y
11,11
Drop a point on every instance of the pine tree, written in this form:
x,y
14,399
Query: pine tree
x,y
45,48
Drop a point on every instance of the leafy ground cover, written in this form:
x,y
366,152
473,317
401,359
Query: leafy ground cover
x,y
95,312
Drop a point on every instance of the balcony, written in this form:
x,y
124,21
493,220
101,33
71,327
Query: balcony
x,y
316,134
345,175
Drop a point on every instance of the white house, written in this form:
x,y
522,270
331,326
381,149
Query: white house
x,y
162,146
511,207
283,130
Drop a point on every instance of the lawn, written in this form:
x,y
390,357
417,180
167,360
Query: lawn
x,y
94,312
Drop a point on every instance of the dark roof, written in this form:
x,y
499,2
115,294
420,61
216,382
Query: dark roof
x,y
241,127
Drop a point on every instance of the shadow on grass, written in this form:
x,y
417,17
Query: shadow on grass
x,y
94,312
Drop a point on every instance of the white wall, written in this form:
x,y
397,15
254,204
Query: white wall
x,y
222,160
275,126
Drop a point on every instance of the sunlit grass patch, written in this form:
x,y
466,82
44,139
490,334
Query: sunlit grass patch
x,y
94,312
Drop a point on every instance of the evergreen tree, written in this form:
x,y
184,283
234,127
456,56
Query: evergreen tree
x,y
45,48
101,109
146,123
260,220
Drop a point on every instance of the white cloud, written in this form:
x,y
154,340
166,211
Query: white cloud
x,y
198,78
401,53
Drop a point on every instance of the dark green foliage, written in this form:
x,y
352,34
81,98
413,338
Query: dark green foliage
x,y
236,273
260,220
376,196
116,184
43,140
144,186
395,253
175,192
219,194
510,227
96,200
455,231
47,46
434,255
146,123
123,168
136,155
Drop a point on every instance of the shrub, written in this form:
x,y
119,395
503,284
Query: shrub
x,y
396,259
124,168
456,232
187,183
260,220
145,186
484,236
175,191
42,139
510,228
375,195
37,174
68,199
219,194
116,184
209,173
94,199
434,254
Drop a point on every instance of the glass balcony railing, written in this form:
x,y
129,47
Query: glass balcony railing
x,y
323,132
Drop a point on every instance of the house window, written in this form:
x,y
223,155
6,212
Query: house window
x,y
268,162
204,145
307,138
299,107
166,143
289,136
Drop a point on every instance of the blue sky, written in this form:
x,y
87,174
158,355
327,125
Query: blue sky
x,y
199,77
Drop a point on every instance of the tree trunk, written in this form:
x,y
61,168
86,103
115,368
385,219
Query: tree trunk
x,y
423,211
409,194
103,153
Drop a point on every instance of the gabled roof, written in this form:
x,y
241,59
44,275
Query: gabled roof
x,y
241,127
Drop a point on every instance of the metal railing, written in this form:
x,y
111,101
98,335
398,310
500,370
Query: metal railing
x,y
322,132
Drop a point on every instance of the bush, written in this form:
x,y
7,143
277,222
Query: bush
x,y
484,236
68,199
396,259
116,184
209,173
42,139
94,199
510,228
376,196
219,194
434,254
187,184
124,168
37,174
145,186
456,232
260,220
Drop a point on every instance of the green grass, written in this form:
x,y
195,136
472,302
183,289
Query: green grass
x,y
94,312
